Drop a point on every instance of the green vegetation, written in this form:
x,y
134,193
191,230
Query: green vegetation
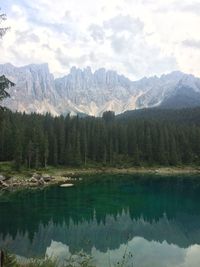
x,y
35,141
10,261
79,260
4,84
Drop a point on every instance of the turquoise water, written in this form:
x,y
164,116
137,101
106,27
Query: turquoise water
x,y
151,220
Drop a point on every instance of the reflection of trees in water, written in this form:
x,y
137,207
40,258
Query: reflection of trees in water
x,y
116,231
102,214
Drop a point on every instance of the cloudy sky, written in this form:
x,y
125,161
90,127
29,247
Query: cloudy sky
x,y
134,37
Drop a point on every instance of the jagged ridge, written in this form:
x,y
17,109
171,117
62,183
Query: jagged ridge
x,y
84,91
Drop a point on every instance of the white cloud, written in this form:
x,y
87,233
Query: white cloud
x,y
139,251
135,37
121,23
192,43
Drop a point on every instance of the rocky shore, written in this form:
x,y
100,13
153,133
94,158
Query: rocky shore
x,y
36,181
69,176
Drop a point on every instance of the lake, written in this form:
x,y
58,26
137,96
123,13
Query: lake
x,y
137,220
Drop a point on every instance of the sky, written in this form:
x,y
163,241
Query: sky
x,y
136,38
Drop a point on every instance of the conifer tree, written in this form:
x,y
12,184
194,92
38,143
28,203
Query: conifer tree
x,y
4,84
18,151
29,153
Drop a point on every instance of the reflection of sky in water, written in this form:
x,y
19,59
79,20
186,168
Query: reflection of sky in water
x,y
160,220
158,243
145,254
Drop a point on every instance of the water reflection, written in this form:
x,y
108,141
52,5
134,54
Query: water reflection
x,y
145,254
158,221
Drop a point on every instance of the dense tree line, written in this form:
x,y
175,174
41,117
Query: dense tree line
x,y
181,116
39,140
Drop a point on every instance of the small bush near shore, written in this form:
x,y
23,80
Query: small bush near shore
x,y
79,260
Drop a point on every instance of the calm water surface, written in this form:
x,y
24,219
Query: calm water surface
x,y
153,221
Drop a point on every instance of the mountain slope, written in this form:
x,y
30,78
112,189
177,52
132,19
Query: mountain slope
x,y
167,90
93,93
185,116
182,97
34,90
84,91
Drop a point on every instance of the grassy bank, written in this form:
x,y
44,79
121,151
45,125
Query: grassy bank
x,y
6,168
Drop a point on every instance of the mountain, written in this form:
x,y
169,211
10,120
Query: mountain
x,y
34,89
84,91
94,93
182,97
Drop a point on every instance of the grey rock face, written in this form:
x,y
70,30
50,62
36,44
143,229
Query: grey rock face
x,y
84,91
91,92
2,178
34,90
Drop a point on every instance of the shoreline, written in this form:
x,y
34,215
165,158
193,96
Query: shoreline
x,y
57,176
135,170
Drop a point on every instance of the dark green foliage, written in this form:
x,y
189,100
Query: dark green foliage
x,y
4,84
9,260
108,116
80,259
36,141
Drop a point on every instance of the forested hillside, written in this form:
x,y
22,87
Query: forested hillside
x,y
180,116
163,139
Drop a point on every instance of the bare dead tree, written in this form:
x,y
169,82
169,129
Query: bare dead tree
x,y
3,30
4,82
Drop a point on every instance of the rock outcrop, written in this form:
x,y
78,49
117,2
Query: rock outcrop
x,y
92,93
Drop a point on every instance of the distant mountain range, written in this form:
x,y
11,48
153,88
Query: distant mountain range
x,y
84,91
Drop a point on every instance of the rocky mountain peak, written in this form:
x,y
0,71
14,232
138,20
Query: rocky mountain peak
x,y
85,91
